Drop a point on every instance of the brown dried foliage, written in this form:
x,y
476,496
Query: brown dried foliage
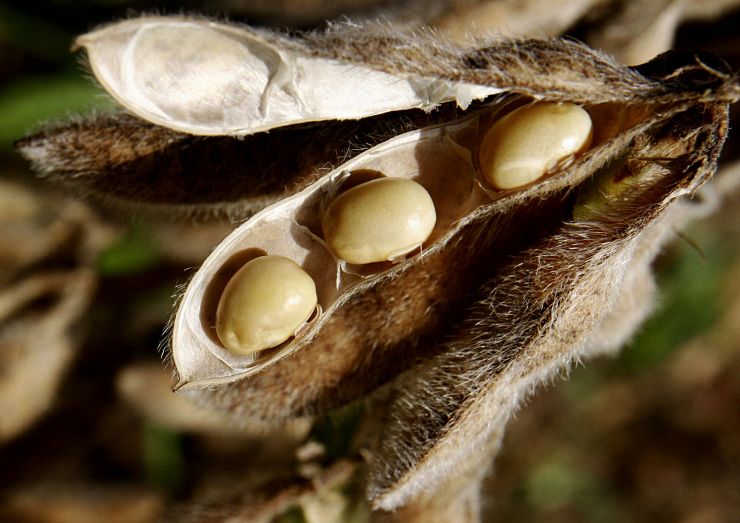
x,y
46,283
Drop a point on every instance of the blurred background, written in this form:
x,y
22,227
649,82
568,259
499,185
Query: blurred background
x,y
87,432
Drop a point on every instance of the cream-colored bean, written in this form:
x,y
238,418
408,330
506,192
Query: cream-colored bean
x,y
263,304
379,220
523,145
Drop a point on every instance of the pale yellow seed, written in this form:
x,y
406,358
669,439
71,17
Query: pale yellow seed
x,y
379,220
263,304
523,145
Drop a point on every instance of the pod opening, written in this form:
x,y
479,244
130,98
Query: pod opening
x,y
443,159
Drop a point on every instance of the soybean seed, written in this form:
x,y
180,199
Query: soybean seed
x,y
379,220
523,145
263,304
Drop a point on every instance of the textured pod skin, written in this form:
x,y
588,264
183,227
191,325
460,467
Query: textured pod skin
x,y
159,169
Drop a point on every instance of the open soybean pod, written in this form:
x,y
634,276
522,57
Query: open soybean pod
x,y
511,286
214,79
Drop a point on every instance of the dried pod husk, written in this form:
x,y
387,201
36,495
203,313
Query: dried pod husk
x,y
415,301
269,80
133,165
208,78
37,229
563,292
511,288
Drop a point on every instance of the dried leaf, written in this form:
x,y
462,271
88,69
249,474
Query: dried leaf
x,y
36,346
35,229
636,32
325,507
47,280
708,9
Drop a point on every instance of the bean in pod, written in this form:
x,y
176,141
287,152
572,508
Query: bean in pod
x,y
379,220
525,144
263,304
